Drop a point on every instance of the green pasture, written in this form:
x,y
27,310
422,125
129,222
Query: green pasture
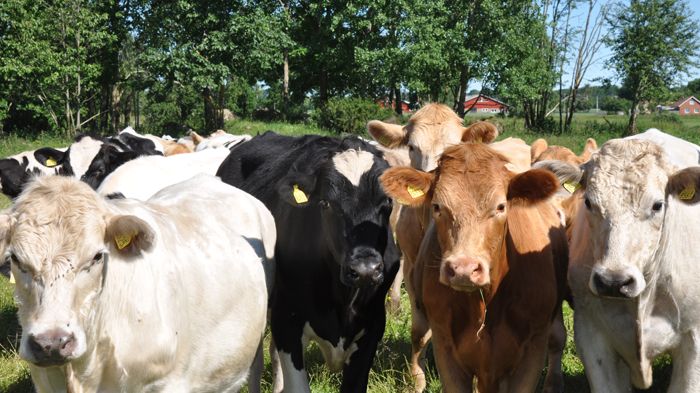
x,y
389,372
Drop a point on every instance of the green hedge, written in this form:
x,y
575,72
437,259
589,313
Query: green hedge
x,y
349,115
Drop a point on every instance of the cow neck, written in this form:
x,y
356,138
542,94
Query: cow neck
x,y
485,295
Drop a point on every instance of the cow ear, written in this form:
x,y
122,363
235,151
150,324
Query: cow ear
x,y
569,176
296,189
388,135
532,186
196,138
684,185
480,132
588,149
129,235
408,186
538,147
49,157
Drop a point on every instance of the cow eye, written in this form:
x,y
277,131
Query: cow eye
x,y
15,260
657,206
411,148
98,257
501,207
436,209
324,203
587,202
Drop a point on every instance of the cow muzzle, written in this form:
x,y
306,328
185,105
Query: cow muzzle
x,y
464,274
51,348
626,283
364,267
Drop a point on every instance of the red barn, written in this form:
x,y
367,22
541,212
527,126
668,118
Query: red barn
x,y
484,104
405,108
687,106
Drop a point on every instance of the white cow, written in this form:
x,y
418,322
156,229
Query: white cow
x,y
678,151
634,269
144,176
127,296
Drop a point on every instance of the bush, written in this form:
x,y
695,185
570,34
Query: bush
x,y
349,115
666,117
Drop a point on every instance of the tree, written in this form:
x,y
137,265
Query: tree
x,y
653,44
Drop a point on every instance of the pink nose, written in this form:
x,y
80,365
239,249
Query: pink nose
x,y
465,274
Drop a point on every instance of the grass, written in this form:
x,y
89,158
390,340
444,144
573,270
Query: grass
x,y
389,373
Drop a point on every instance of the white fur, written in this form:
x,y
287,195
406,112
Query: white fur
x,y
156,140
622,234
353,164
335,355
680,152
82,153
185,316
222,140
144,176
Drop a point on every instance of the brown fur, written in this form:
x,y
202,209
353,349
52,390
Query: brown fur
x,y
533,185
482,131
688,177
541,151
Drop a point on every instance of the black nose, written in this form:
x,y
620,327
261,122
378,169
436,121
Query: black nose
x,y
364,267
52,347
614,284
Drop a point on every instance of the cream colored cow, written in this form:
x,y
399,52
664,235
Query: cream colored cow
x,y
130,296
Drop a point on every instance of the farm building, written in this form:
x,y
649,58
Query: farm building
x,y
689,106
405,105
484,104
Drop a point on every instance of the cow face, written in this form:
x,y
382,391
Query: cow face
x,y
429,132
625,207
16,171
61,236
470,194
353,212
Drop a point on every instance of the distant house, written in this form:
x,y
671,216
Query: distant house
x,y
405,107
484,104
687,106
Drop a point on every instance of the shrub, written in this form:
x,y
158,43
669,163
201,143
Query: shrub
x,y
349,115
666,117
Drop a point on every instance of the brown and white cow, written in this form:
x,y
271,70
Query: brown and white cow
x,y
428,133
491,268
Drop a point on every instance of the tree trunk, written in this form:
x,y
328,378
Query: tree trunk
x,y
463,84
632,125
570,110
212,118
397,101
285,85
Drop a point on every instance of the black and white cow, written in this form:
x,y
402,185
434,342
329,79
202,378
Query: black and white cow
x,y
89,158
335,254
16,170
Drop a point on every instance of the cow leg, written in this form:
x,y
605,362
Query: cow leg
x,y
452,377
295,379
529,369
395,291
686,364
277,379
356,372
605,369
256,370
554,381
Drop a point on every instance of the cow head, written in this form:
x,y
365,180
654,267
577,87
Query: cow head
x,y
429,132
60,235
351,207
471,194
627,187
17,170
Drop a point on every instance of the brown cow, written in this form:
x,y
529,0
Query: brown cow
x,y
428,132
496,244
541,151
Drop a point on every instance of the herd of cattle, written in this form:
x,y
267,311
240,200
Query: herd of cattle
x,y
142,269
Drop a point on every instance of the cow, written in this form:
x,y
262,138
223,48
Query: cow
x,y
335,254
633,270
428,132
16,170
110,297
491,268
144,176
541,151
218,139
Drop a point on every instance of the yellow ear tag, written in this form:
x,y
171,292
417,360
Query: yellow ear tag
x,y
50,162
687,193
123,241
12,278
414,192
299,195
571,186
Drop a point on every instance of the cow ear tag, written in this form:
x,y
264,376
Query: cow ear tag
x,y
123,240
571,186
414,192
51,162
687,193
299,195
12,278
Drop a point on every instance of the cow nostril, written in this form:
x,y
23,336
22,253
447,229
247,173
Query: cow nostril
x,y
628,281
450,271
